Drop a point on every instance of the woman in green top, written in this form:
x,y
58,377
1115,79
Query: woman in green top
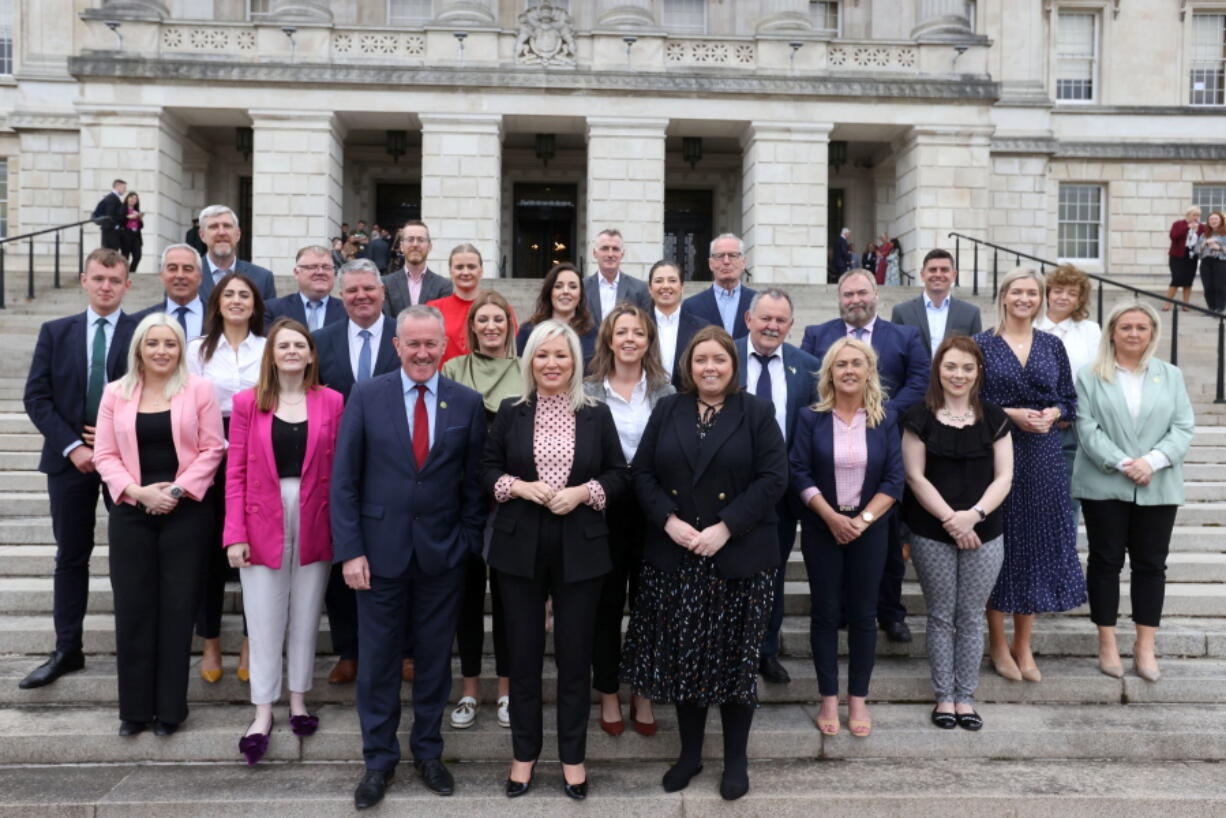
x,y
493,370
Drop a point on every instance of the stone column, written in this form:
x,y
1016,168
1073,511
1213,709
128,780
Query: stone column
x,y
625,187
779,16
135,9
461,183
942,20
297,176
625,14
301,11
144,147
941,185
783,200
466,13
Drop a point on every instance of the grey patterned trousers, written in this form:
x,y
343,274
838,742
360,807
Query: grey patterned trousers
x,y
956,586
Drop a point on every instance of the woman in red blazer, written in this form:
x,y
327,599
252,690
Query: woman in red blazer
x,y
277,531
158,444
1183,258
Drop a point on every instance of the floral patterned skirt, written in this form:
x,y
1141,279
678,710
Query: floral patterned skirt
x,y
694,636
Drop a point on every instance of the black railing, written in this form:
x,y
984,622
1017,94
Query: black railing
x,y
1175,306
58,231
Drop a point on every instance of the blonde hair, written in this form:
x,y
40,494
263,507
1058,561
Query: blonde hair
x,y
874,395
1017,274
135,376
1192,211
542,333
1104,362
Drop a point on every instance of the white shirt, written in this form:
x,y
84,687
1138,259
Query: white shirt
x,y
194,316
608,292
1132,384
666,330
938,318
779,384
1080,339
630,417
230,371
355,344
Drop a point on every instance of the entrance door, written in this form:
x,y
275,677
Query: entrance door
x,y
544,227
396,204
244,215
687,231
835,214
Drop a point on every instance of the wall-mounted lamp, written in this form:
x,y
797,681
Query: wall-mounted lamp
x,y
629,40
691,150
460,37
795,45
244,139
959,51
546,147
114,25
837,156
396,144
290,31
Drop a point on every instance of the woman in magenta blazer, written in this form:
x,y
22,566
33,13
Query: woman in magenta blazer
x,y
277,532
158,444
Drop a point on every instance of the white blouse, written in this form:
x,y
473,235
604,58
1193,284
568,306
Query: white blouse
x,y
1080,339
1132,384
231,372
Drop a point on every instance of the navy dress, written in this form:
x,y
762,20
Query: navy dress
x,y
1041,572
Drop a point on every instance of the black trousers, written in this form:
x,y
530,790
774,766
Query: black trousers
x,y
471,635
130,246
74,497
1113,527
217,570
1213,277
787,538
889,593
626,524
156,562
574,617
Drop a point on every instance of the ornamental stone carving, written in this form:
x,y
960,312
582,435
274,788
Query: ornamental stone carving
x,y
546,36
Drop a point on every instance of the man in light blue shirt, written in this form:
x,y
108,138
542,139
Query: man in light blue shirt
x,y
181,276
728,300
935,312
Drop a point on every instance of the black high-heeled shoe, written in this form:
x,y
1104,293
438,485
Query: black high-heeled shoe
x,y
575,791
517,788
255,746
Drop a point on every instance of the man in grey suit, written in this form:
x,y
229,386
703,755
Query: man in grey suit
x,y
220,233
609,286
935,313
414,283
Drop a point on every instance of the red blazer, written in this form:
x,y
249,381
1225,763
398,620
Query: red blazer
x,y
1179,237
195,421
253,489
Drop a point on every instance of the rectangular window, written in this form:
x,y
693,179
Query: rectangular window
x,y
4,197
825,15
1080,222
1208,80
6,36
1076,56
685,16
258,8
409,12
1209,198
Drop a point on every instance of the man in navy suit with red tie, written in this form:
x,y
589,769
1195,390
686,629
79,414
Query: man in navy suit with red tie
x,y
74,359
407,510
727,301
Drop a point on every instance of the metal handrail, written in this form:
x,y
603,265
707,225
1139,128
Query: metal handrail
x,y
1177,305
58,235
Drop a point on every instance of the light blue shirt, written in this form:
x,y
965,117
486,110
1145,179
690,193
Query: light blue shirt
x,y
323,311
938,317
411,398
194,317
727,302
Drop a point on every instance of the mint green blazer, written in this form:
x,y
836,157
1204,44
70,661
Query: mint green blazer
x,y
1108,434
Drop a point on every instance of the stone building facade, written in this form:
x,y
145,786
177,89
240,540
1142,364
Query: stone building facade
x,y
1064,129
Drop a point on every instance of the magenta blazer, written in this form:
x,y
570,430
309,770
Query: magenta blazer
x,y
253,488
195,421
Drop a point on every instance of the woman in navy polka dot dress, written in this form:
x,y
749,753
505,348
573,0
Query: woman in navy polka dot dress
x,y
1027,374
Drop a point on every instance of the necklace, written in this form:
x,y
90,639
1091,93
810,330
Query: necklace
x,y
963,418
281,399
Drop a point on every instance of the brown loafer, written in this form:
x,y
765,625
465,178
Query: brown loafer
x,y
344,673
406,670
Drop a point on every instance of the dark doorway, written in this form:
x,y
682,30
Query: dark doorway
x,y
687,231
835,214
544,227
245,213
396,204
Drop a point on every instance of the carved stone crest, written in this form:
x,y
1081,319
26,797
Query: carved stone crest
x,y
546,36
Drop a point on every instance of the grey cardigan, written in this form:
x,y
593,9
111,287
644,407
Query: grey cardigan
x,y
597,391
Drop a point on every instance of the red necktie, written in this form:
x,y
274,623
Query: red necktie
x,y
421,428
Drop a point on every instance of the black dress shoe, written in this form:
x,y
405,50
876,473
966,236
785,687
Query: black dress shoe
x,y
371,788
575,791
56,666
897,632
970,721
131,728
772,671
517,788
733,785
946,721
678,777
164,728
435,775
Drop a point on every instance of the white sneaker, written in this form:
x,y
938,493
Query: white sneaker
x,y
465,713
504,711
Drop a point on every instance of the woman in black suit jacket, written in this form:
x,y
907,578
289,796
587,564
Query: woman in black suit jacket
x,y
552,461
708,471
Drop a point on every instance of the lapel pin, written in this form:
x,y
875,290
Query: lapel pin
x,y
442,404
792,369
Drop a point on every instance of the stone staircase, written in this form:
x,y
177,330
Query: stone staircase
x,y
1079,741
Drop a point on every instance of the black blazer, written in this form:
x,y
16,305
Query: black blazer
x,y
687,326
585,535
332,344
112,207
58,379
737,476
703,306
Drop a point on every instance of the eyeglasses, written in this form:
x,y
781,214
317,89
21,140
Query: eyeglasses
x,y
726,256
314,268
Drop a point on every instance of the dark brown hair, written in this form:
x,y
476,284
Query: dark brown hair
x,y
603,362
719,336
935,398
215,325
268,387
582,321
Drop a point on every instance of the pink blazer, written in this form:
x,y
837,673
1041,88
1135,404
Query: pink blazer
x,y
253,488
195,421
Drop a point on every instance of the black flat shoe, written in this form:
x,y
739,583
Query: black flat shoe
x,y
56,666
371,788
970,721
131,728
678,778
897,632
517,788
773,671
732,787
435,775
946,721
575,791
164,728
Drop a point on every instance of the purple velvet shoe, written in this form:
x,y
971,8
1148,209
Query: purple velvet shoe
x,y
304,726
254,746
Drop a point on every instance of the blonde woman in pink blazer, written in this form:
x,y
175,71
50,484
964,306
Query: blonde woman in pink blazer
x,y
277,531
158,444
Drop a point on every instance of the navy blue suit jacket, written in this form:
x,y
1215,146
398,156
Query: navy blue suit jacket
x,y
703,307
262,277
332,344
290,306
799,368
386,509
380,252
902,360
55,388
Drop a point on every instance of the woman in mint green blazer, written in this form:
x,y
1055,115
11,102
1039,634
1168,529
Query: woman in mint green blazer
x,y
1134,423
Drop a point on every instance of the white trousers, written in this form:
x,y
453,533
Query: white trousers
x,y
277,601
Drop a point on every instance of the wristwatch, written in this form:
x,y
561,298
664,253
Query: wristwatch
x,y
868,517
175,491
983,515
